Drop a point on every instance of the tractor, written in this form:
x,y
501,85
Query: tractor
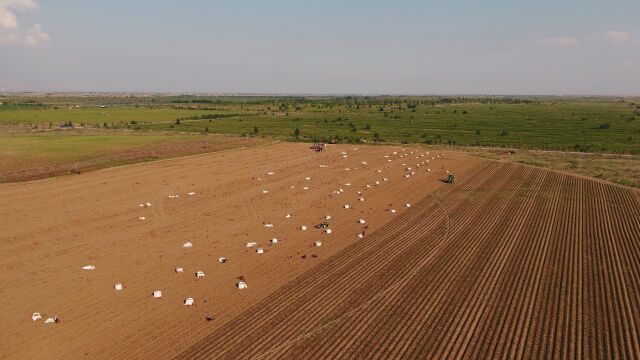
x,y
451,179
319,147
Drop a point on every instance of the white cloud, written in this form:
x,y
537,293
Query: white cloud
x,y
8,19
36,37
561,41
618,36
10,33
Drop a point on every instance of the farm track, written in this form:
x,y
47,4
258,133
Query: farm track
x,y
511,262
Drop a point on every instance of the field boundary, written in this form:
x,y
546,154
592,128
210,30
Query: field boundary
x,y
103,163
562,172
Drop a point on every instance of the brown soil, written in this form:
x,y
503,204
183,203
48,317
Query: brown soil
x,y
510,262
51,228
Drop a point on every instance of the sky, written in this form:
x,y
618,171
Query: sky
x,y
532,47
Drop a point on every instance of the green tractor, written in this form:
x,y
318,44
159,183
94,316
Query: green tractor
x,y
451,179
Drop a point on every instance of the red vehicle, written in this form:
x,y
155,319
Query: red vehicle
x,y
319,147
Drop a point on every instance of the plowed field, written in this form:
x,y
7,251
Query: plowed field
x,y
508,262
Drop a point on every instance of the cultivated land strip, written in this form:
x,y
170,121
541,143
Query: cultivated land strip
x,y
52,227
524,263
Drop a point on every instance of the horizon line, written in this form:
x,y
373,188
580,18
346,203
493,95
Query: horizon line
x,y
294,94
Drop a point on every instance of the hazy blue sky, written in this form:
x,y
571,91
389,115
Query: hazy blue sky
x,y
417,47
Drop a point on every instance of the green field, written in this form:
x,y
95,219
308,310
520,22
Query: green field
x,y
66,130
30,156
566,124
32,150
42,116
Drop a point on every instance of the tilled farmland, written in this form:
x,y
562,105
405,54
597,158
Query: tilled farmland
x,y
146,260
508,262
